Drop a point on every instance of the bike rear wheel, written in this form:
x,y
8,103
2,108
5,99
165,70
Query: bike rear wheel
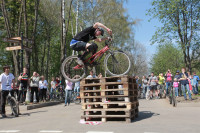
x,y
14,106
69,69
117,63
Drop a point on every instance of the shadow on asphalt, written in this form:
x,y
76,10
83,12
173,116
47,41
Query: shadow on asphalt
x,y
145,115
9,116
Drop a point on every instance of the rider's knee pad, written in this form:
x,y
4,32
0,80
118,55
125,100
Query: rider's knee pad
x,y
93,48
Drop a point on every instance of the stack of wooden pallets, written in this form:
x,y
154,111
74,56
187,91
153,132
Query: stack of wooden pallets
x,y
109,99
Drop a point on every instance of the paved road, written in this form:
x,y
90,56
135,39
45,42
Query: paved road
x,y
156,116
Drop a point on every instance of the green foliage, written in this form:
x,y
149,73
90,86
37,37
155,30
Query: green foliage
x,y
180,19
111,13
167,57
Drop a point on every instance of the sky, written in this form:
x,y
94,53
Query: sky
x,y
144,30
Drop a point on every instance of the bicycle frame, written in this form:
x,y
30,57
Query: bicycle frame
x,y
98,54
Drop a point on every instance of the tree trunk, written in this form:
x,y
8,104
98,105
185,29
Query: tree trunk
x,y
8,29
35,55
27,57
48,55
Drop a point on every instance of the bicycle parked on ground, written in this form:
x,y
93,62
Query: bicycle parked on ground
x,y
13,104
74,98
172,97
116,63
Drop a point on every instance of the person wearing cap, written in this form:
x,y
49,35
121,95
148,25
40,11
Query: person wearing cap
x,y
6,79
80,41
177,76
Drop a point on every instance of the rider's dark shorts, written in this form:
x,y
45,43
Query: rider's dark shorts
x,y
79,46
153,87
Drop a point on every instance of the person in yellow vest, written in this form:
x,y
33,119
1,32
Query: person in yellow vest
x,y
161,84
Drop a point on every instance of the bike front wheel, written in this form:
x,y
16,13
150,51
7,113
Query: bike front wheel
x,y
70,69
117,63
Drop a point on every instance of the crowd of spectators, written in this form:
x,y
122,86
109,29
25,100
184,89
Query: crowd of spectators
x,y
183,83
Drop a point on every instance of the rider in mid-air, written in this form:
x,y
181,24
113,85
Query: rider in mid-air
x,y
80,41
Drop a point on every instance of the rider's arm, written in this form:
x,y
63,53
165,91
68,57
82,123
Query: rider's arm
x,y
102,39
97,24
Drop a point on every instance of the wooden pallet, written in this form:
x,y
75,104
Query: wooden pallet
x,y
108,80
116,105
111,85
105,115
113,98
109,92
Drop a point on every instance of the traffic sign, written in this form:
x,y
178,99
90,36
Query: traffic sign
x,y
17,40
13,48
11,40
18,47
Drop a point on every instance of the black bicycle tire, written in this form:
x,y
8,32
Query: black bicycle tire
x,y
15,111
106,60
174,99
64,74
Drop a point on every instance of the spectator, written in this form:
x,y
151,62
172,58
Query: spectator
x,y
77,86
168,76
193,83
153,83
177,76
6,79
53,87
184,83
34,86
43,88
197,78
144,85
175,85
100,75
68,92
23,78
161,83
92,75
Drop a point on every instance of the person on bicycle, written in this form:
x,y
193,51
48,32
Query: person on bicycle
x,y
6,79
80,41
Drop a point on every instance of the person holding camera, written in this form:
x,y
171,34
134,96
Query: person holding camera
x,y
168,76
34,86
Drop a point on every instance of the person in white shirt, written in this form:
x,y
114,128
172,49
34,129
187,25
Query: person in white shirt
x,y
34,86
92,75
6,79
68,92
43,85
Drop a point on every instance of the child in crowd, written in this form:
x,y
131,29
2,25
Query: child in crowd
x,y
175,85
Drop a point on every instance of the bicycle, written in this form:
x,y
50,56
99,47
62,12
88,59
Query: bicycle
x,y
13,104
116,63
74,98
172,97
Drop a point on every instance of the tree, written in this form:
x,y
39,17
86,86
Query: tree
x,y
180,20
167,57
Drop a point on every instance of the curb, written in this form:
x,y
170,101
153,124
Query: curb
x,y
29,107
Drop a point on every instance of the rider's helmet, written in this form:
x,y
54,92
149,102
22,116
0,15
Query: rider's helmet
x,y
102,30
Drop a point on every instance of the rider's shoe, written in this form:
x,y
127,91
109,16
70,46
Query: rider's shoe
x,y
78,67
